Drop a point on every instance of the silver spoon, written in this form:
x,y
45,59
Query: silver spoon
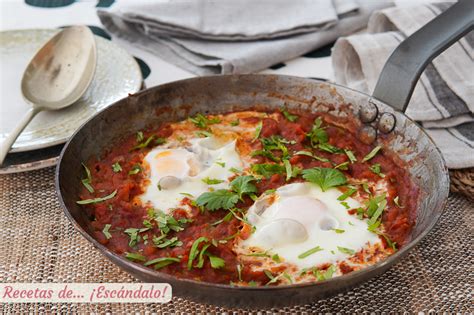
x,y
56,77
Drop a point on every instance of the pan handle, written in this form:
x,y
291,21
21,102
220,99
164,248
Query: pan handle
x,y
405,65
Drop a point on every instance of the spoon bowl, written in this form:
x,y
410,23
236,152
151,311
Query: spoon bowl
x,y
57,76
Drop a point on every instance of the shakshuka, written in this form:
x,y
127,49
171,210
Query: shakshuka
x,y
250,199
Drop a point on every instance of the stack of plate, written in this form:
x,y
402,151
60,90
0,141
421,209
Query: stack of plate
x,y
117,75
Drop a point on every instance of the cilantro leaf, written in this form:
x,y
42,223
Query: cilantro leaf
x,y
194,250
243,185
106,232
88,180
258,130
96,200
310,252
161,262
317,133
350,155
218,199
211,181
202,121
216,262
135,256
288,116
345,250
324,275
347,194
267,170
116,167
324,177
310,154
372,153
376,169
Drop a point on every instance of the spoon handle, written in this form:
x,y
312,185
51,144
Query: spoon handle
x,y
8,142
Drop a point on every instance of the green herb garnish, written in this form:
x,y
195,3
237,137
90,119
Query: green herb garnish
x,y
310,252
377,170
87,182
372,153
258,130
276,258
135,169
317,134
212,181
324,177
106,232
235,122
116,167
135,256
267,170
338,231
310,154
218,199
324,275
345,250
97,200
347,194
288,116
195,251
202,121
350,155
162,262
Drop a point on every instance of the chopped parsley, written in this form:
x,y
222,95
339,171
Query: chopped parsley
x,y
350,155
310,154
324,177
87,182
133,233
162,262
372,153
317,134
343,166
164,242
143,144
243,185
135,169
310,252
106,232
338,231
195,251
116,167
288,116
347,194
135,256
202,121
345,250
377,170
218,199
329,148
276,258
221,164
97,200
324,275
258,130
216,262
235,122
204,133
212,181
267,170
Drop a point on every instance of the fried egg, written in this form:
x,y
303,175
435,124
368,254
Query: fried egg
x,y
306,226
177,172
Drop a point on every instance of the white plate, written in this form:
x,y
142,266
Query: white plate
x,y
117,75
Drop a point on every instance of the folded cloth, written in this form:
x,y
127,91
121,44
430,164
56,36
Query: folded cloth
x,y
226,36
443,99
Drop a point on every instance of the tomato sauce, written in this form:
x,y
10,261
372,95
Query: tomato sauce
x,y
123,212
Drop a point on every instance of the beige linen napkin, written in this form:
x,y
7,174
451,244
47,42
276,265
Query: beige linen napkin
x,y
443,99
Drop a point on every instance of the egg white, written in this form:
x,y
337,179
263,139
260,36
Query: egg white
x,y
319,212
202,158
